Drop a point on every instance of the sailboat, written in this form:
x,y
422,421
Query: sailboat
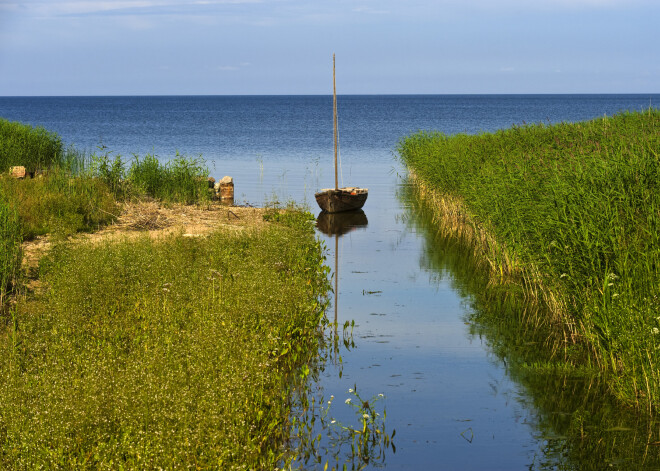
x,y
335,200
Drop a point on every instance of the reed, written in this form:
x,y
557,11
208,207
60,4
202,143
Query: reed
x,y
569,212
181,179
59,204
32,147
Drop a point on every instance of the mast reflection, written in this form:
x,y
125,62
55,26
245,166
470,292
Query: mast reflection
x,y
338,224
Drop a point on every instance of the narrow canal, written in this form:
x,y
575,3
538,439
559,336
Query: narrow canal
x,y
449,400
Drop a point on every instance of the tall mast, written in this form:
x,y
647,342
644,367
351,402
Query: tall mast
x,y
334,109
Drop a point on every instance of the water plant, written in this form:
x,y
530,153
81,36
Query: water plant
x,y
565,216
57,203
576,421
181,179
35,148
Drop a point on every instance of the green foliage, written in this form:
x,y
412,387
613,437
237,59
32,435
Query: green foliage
x,y
58,203
182,179
162,354
34,148
10,249
110,171
577,206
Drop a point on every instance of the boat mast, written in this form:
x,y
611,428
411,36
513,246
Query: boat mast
x,y
334,110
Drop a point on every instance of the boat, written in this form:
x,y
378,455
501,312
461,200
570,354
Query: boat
x,y
336,200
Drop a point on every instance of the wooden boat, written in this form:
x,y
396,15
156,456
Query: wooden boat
x,y
335,200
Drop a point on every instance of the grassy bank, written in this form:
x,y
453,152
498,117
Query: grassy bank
x,y
162,354
565,216
141,353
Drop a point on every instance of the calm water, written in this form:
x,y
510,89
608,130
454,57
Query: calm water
x,y
449,393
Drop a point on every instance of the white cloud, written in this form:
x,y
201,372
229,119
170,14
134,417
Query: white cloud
x,y
53,8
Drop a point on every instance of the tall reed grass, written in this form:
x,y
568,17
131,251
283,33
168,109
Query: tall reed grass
x,y
568,214
32,147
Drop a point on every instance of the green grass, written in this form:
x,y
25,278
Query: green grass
x,y
34,148
162,354
181,179
177,353
59,204
10,250
568,215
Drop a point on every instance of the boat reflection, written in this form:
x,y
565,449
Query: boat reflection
x,y
338,224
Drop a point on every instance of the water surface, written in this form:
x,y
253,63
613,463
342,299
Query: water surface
x,y
450,393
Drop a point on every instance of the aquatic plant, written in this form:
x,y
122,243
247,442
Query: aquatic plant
x,y
57,203
35,148
566,215
181,179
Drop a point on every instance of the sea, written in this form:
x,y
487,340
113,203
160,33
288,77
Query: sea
x,y
449,396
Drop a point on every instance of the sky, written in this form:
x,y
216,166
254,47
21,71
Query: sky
x,y
263,47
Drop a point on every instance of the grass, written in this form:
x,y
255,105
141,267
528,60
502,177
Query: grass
x,y
59,204
181,352
162,354
567,216
32,147
10,250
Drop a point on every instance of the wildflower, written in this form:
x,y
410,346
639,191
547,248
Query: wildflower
x,y
350,390
347,401
655,330
365,416
381,395
333,421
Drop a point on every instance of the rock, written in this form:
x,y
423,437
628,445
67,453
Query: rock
x,y
17,171
225,188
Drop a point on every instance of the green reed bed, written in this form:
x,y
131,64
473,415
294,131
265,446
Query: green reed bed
x,y
166,354
181,179
58,203
567,215
32,147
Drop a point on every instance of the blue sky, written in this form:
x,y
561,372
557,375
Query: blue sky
x,y
227,47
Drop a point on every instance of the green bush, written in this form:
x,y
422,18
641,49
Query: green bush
x,y
34,148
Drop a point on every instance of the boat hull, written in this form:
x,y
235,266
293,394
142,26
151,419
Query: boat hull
x,y
341,199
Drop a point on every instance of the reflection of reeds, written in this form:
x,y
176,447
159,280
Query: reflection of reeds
x,y
570,213
502,264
